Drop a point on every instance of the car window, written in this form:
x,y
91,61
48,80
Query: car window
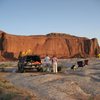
x,y
33,58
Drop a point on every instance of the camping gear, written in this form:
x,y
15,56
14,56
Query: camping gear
x,y
86,62
80,63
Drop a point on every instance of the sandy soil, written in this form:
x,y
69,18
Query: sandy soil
x,y
81,84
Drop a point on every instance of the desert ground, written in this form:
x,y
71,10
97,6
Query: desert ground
x,y
80,84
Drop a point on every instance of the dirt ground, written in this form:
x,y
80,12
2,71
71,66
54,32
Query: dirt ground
x,y
81,84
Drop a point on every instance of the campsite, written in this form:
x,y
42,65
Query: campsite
x,y
68,84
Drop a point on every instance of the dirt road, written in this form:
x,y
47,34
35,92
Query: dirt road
x,y
82,84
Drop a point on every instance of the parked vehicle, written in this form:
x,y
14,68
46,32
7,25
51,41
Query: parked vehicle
x,y
29,62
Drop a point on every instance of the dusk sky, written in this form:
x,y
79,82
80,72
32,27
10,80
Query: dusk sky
x,y
34,17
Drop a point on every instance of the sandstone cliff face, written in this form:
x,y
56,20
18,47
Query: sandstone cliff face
x,y
62,45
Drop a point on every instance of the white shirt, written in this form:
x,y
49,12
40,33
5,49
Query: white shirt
x,y
47,59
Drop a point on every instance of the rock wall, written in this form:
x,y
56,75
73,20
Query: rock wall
x,y
61,45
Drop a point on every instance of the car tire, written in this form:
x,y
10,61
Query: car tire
x,y
39,69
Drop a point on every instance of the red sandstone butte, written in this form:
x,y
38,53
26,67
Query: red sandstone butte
x,y
60,44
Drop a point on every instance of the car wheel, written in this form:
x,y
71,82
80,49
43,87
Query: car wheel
x,y
39,69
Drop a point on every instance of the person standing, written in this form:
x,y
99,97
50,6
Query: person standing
x,y
54,64
47,62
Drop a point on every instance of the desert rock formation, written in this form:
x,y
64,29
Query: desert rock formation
x,y
62,45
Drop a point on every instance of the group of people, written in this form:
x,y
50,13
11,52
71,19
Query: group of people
x,y
51,61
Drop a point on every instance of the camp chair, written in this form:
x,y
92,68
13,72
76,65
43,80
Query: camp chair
x,y
80,63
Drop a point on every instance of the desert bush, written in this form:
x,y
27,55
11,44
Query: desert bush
x,y
4,65
13,95
9,92
5,84
7,96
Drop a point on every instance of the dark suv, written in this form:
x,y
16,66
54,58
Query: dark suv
x,y
29,62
